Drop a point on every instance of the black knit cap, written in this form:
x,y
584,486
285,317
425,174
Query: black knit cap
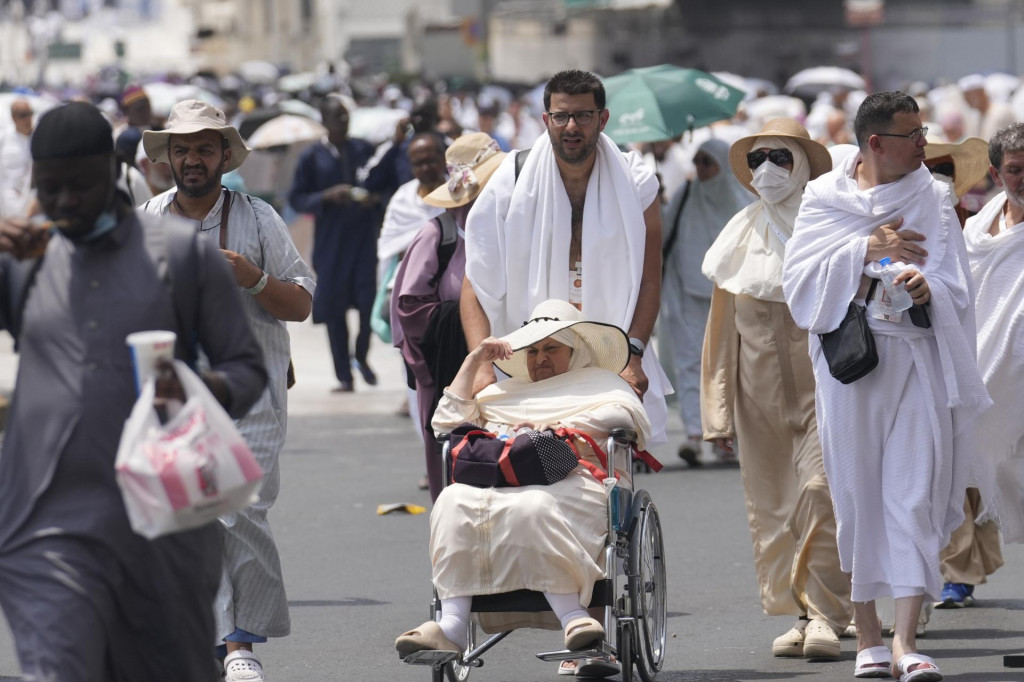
x,y
71,130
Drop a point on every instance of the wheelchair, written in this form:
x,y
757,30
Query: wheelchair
x,y
632,594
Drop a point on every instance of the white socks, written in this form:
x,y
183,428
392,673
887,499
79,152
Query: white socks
x,y
455,614
566,607
455,619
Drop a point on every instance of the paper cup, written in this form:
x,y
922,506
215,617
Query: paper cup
x,y
147,348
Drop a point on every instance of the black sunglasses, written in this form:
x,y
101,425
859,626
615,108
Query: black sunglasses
x,y
780,157
701,160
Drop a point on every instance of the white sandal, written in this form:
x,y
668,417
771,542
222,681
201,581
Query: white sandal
x,y
243,666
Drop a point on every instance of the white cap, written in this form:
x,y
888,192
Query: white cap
x,y
975,81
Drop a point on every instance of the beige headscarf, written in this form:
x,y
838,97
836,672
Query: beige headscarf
x,y
747,256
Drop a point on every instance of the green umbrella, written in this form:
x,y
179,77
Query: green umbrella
x,y
661,102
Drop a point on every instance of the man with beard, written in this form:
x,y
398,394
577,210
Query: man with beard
x,y
86,597
576,200
200,147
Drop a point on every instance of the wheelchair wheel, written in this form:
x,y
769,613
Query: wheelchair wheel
x,y
647,586
624,650
456,672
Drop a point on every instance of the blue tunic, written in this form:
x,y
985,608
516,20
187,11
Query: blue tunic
x,y
345,237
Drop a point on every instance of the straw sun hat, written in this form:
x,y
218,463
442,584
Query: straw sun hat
x,y
472,159
817,154
608,344
970,161
193,116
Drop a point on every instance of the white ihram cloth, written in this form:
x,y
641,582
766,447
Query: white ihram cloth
x,y
404,217
539,537
897,443
997,267
517,246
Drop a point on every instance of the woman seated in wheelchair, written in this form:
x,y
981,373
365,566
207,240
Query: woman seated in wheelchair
x,y
548,538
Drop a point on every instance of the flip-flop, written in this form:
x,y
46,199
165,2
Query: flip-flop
x,y
874,662
908,661
567,667
597,667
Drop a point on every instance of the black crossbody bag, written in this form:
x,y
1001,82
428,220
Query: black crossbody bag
x,y
850,348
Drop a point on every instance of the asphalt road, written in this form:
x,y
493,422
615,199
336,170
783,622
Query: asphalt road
x,y
356,579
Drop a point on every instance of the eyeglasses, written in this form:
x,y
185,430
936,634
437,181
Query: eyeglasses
x,y
701,160
582,118
21,114
780,157
914,135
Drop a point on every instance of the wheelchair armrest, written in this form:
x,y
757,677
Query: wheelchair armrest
x,y
444,438
624,436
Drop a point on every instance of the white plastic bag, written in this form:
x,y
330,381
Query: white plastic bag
x,y
187,472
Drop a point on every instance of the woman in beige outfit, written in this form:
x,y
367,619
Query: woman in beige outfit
x,y
757,386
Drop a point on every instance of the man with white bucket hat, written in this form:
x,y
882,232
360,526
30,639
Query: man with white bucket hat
x,y
276,286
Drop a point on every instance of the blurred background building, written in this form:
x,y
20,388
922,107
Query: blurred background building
x,y
889,41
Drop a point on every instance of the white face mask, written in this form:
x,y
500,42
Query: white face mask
x,y
773,184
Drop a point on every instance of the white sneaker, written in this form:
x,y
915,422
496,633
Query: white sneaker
x,y
791,644
243,666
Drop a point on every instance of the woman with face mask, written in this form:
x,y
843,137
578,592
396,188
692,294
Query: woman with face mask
x,y
757,386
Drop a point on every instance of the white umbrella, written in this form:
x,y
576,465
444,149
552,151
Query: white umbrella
x,y
259,71
285,130
299,108
819,78
163,96
375,124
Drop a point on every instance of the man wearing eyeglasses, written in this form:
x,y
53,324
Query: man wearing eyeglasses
x,y
16,162
579,221
898,442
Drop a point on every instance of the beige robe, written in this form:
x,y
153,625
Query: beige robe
x,y
548,538
757,385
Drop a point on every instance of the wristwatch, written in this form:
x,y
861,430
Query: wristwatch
x,y
259,286
636,347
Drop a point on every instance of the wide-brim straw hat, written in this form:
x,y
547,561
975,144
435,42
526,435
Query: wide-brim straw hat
x,y
608,345
472,160
970,161
194,116
817,154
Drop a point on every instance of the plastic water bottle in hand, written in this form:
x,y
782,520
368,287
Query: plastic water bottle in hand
x,y
898,294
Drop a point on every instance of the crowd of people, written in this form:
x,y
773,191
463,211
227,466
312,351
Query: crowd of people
x,y
731,250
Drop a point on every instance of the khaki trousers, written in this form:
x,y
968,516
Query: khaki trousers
x,y
974,550
789,506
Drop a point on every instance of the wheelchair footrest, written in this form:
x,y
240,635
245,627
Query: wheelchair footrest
x,y
432,657
599,650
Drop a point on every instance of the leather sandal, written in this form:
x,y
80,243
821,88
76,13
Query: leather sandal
x,y
427,637
581,632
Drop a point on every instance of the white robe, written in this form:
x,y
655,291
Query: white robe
x,y
897,443
997,267
517,246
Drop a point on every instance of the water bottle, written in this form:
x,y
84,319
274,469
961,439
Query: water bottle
x,y
898,294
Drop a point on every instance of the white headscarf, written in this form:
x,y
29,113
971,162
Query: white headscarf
x,y
747,256
709,205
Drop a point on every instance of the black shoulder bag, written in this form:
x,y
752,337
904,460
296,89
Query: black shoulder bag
x,y
850,348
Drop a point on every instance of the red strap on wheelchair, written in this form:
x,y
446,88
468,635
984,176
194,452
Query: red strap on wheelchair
x,y
648,459
462,443
595,471
506,465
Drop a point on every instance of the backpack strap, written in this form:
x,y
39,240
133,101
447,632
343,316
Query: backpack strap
x,y
519,161
674,234
225,211
445,247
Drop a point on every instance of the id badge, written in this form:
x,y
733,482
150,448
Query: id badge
x,y
882,308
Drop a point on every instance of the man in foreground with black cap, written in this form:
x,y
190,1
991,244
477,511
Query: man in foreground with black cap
x,y
87,598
